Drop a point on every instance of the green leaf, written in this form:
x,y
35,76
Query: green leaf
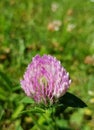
x,y
1,112
18,124
3,94
6,80
34,110
71,100
16,87
27,100
17,111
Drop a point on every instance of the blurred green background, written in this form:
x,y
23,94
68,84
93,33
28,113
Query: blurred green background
x,y
62,28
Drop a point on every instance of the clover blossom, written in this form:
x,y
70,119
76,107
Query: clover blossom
x,y
45,80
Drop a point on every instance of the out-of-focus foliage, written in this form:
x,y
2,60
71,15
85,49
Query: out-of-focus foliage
x,y
62,28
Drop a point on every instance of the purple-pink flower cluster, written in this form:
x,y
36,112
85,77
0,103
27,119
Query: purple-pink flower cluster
x,y
45,80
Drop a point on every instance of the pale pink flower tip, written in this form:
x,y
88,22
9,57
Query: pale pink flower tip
x,y
45,80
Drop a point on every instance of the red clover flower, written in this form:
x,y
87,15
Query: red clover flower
x,y
45,80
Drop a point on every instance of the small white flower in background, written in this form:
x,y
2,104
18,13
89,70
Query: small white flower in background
x,y
54,25
54,7
91,93
70,27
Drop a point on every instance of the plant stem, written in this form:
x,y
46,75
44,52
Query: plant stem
x,y
36,122
54,120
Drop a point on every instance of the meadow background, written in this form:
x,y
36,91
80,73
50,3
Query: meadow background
x,y
62,28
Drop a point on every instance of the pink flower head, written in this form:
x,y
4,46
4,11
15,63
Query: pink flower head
x,y
45,80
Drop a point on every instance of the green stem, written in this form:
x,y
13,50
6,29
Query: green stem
x,y
36,123
54,120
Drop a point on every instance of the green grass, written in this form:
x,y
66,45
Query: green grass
x,y
25,32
